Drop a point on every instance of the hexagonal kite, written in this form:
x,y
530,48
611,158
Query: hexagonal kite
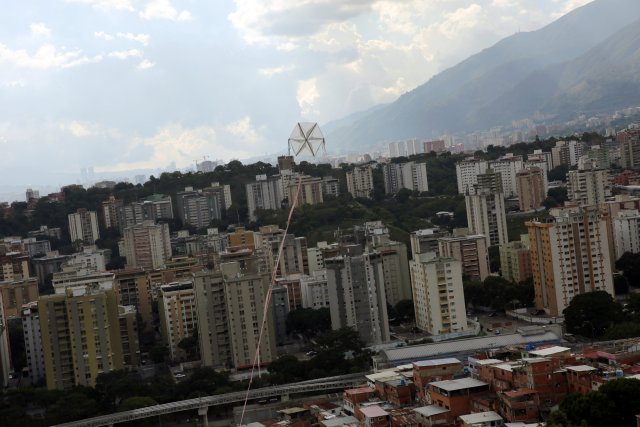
x,y
306,137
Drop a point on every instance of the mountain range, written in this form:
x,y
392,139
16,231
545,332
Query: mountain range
x,y
587,61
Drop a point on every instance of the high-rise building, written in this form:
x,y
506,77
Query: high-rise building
x,y
133,288
5,349
264,193
83,226
508,167
426,240
33,342
515,260
485,209
411,176
626,232
111,210
567,153
629,140
570,255
471,251
178,316
242,239
467,172
357,294
199,207
294,251
16,293
360,181
311,190
530,184
438,297
317,255
330,186
230,303
147,245
315,290
80,330
246,286
589,186
14,266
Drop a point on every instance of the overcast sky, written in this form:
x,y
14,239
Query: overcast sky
x,y
124,84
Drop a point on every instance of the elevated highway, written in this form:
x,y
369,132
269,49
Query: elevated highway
x,y
202,404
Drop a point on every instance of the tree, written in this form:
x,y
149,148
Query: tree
x,y
159,353
629,264
405,310
620,285
136,402
308,321
591,314
190,345
559,173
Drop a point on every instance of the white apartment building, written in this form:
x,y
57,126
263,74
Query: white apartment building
x,y
33,342
178,314
315,290
264,193
360,181
569,256
467,172
508,167
438,296
485,210
626,232
589,186
411,175
83,226
357,296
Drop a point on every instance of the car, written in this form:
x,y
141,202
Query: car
x,y
311,353
489,330
494,314
496,331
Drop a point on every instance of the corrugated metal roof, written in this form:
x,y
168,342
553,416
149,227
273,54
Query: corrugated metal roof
x,y
405,354
436,362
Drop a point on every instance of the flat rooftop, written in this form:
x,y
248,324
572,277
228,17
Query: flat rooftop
x,y
481,417
550,351
460,384
431,410
437,362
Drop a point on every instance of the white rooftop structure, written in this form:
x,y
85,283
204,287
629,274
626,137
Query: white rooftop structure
x,y
436,362
480,417
460,384
340,421
580,368
550,351
431,410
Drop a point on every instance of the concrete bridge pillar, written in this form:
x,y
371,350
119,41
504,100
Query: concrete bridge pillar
x,y
202,414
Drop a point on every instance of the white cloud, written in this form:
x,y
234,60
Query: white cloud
x,y
46,57
124,54
175,143
78,129
106,4
244,130
140,38
145,64
163,9
39,29
13,83
307,95
270,72
102,35
460,20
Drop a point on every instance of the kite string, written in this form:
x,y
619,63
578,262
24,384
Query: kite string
x,y
265,310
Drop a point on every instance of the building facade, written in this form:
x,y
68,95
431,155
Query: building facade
x,y
569,256
485,209
531,188
147,245
83,226
360,181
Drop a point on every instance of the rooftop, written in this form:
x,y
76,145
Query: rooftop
x,y
461,384
437,362
374,411
431,410
483,362
340,421
405,354
481,417
581,368
359,390
550,351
